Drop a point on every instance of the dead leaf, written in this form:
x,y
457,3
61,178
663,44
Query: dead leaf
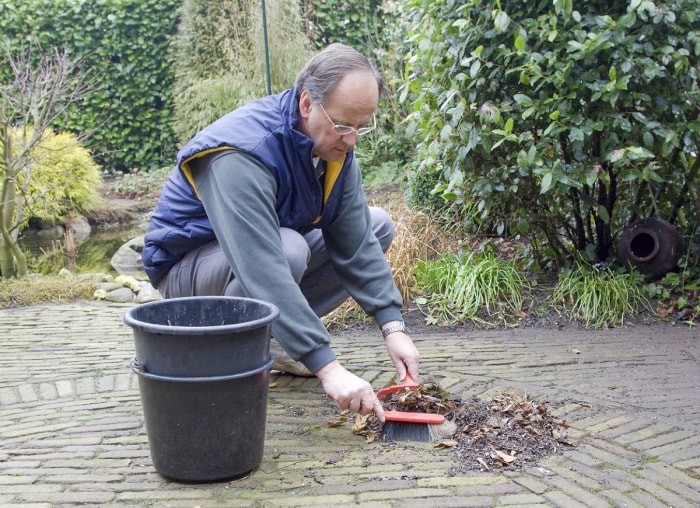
x,y
337,423
483,464
448,443
503,457
533,430
361,422
371,437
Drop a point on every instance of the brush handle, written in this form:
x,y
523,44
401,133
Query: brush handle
x,y
402,416
408,382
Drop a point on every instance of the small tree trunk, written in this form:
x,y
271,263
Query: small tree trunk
x,y
13,262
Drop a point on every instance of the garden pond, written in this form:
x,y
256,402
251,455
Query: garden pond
x,y
47,254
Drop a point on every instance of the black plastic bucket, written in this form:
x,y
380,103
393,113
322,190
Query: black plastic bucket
x,y
202,336
203,365
204,429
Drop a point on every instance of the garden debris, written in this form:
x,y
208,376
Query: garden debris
x,y
506,431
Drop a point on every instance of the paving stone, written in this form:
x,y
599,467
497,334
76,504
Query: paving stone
x,y
72,429
619,499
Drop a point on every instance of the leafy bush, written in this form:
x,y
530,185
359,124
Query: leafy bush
x,y
62,176
200,103
558,123
357,24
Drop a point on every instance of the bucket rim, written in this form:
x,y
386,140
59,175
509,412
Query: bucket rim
x,y
132,321
136,368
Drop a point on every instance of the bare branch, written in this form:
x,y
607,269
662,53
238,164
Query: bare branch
x,y
43,86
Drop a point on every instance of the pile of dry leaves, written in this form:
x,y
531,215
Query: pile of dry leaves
x,y
508,430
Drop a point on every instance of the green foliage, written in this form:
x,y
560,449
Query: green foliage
x,y
354,23
678,293
381,175
600,297
221,58
560,124
60,176
124,42
466,286
204,101
140,184
424,189
387,154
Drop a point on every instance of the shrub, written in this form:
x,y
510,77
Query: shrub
x,y
61,176
222,64
124,42
558,120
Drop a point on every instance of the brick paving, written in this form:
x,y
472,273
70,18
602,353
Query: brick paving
x,y
72,430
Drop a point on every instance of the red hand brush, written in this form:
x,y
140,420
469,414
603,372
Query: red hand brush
x,y
410,426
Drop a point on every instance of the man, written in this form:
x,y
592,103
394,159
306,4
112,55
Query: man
x,y
267,203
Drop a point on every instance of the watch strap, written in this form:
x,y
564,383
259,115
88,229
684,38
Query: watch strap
x,y
399,327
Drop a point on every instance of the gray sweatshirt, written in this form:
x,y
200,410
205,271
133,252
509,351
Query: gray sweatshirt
x,y
239,196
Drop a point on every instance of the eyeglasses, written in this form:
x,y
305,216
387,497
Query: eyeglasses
x,y
343,130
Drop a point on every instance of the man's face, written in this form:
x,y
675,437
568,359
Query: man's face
x,y
352,103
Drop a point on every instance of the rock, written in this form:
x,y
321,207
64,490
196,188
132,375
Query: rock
x,y
65,273
79,225
122,289
121,295
147,294
109,286
128,281
127,259
95,277
50,232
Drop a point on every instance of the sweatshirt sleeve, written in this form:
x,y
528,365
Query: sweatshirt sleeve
x,y
238,194
357,255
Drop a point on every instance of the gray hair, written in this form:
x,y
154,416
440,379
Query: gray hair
x,y
324,71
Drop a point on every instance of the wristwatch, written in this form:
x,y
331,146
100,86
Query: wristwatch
x,y
399,327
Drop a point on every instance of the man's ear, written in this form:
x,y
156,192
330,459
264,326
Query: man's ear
x,y
304,105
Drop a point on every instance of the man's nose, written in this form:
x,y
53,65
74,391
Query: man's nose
x,y
350,138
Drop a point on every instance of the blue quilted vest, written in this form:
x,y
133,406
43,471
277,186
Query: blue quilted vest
x,y
265,129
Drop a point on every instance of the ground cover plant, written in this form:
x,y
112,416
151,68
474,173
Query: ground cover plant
x,y
479,287
36,290
599,296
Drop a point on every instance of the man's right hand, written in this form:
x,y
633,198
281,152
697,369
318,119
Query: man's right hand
x,y
349,391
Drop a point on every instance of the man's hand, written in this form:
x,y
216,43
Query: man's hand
x,y
349,391
403,353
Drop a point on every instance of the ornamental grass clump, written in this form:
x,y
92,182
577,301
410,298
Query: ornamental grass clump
x,y
598,296
37,290
478,287
417,238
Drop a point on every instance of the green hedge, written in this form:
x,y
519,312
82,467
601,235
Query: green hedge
x,y
125,42
128,44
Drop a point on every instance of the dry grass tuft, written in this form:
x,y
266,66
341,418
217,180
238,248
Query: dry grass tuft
x,y
416,238
34,290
